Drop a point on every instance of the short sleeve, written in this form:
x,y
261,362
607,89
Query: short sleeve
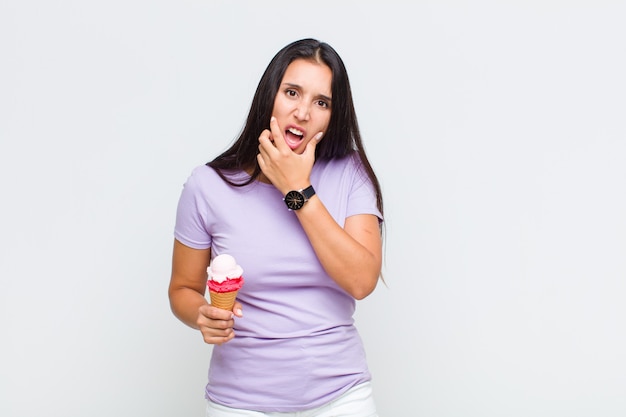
x,y
190,228
362,198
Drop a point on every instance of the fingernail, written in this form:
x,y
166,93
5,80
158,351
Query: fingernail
x,y
319,136
239,312
272,119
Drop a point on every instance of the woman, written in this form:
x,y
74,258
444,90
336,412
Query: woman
x,y
297,204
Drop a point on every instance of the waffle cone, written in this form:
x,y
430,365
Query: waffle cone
x,y
223,300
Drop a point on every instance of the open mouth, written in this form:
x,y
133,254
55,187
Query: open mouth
x,y
293,137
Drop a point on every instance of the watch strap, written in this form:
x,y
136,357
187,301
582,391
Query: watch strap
x,y
308,192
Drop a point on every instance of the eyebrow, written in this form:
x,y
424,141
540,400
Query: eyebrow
x,y
322,96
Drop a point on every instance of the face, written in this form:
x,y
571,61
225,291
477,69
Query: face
x,y
302,105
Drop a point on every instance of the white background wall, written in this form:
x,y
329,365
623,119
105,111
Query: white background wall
x,y
499,135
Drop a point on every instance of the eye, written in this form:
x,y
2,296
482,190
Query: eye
x,y
323,104
291,93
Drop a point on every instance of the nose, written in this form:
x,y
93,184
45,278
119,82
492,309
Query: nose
x,y
302,111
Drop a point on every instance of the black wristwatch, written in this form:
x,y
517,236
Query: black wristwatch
x,y
296,199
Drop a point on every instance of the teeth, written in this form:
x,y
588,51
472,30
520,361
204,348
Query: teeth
x,y
295,131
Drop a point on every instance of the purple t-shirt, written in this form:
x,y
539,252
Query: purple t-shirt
x,y
296,346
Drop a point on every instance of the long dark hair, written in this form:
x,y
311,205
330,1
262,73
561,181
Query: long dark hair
x,y
340,139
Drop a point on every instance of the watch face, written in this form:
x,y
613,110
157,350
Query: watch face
x,y
294,200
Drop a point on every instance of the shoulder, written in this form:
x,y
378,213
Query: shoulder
x,y
202,181
199,174
350,166
204,175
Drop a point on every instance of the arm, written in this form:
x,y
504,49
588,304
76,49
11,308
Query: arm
x,y
351,255
187,300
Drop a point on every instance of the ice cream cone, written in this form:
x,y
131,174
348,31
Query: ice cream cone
x,y
223,300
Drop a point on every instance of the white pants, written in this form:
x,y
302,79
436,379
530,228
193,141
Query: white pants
x,y
356,402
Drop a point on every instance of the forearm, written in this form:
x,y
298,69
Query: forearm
x,y
352,258
188,282
185,303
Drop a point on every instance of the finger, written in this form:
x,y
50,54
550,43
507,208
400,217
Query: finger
x,y
277,135
226,339
265,148
215,331
264,159
211,332
214,313
217,338
260,160
310,147
210,326
237,310
265,136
